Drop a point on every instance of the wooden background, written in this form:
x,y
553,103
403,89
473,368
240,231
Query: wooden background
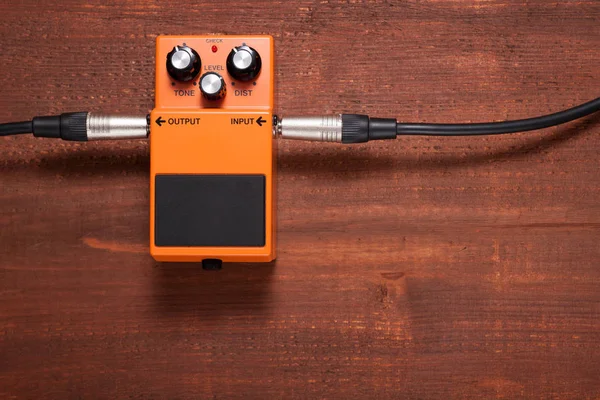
x,y
417,268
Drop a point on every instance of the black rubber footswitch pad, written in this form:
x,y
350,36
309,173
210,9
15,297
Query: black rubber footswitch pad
x,y
210,210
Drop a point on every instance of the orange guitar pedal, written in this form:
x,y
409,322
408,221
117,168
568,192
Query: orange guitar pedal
x,y
212,151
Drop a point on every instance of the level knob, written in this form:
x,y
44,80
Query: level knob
x,y
212,86
243,63
183,63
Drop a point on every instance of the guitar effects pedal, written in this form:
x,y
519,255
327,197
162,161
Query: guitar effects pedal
x,y
212,153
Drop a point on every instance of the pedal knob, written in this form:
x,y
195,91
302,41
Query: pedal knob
x,y
243,63
183,63
212,86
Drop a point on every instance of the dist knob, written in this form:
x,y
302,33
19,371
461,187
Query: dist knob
x,y
243,63
183,63
212,86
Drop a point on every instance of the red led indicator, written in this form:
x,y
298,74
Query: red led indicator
x,y
214,49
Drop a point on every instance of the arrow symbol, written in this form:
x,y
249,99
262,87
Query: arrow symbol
x,y
160,121
260,121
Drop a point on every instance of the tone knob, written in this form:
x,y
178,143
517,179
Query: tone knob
x,y
212,86
183,63
243,63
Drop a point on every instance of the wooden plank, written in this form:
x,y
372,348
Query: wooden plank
x,y
420,268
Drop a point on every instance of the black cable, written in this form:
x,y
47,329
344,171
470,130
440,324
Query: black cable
x,y
357,128
496,128
16,128
67,126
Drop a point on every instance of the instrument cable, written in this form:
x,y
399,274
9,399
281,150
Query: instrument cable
x,y
357,128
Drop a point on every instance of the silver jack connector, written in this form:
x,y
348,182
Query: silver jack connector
x,y
112,127
325,128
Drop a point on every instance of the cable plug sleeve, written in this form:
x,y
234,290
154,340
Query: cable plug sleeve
x,y
357,128
68,126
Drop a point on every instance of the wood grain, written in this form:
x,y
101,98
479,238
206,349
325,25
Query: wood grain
x,y
423,268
